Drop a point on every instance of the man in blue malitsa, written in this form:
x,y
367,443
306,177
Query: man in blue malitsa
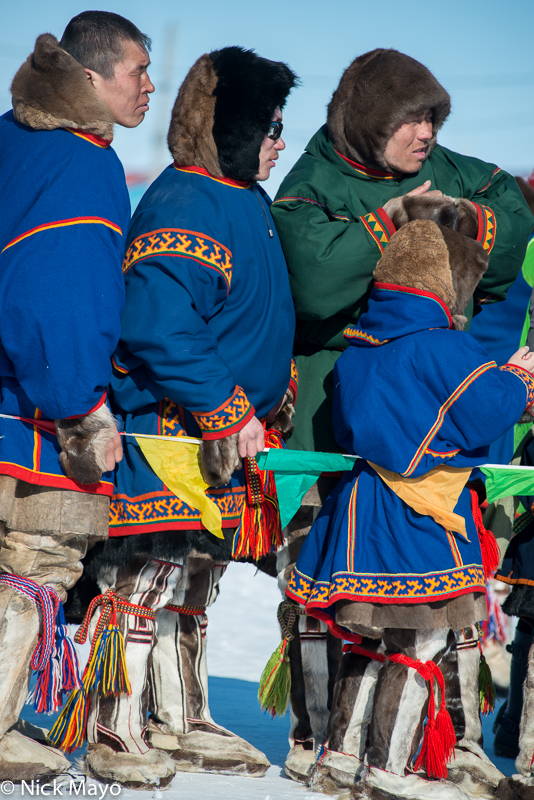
x,y
65,216
398,558
205,351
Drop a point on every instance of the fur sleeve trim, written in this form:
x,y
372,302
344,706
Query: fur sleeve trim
x,y
229,418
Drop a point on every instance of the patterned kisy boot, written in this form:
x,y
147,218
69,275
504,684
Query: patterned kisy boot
x,y
118,751
470,769
342,762
180,720
314,653
410,733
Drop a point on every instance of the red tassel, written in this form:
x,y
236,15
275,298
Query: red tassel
x,y
489,548
432,756
446,730
260,531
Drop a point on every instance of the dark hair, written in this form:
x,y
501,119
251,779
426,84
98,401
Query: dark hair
x,y
96,40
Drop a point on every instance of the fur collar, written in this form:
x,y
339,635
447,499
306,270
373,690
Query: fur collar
x,y
50,90
376,93
224,109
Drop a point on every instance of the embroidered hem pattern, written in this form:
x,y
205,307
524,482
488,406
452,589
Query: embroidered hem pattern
x,y
164,511
385,588
524,376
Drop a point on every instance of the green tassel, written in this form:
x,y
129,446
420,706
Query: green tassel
x,y
275,682
486,687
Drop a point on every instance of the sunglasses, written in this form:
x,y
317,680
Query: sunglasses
x,y
275,131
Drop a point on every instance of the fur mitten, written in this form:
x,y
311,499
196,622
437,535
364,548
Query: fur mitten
x,y
451,212
83,442
219,458
283,420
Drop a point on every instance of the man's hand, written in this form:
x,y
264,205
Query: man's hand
x,y
523,358
113,452
423,189
251,439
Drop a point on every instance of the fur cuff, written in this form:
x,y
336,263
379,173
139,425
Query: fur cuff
x,y
283,421
456,213
83,442
219,458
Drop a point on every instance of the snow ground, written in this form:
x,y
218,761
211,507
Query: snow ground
x,y
242,634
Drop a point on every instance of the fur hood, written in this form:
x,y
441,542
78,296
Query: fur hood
x,y
50,90
223,111
375,94
434,258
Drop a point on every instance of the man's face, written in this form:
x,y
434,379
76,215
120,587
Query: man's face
x,y
269,152
127,92
408,146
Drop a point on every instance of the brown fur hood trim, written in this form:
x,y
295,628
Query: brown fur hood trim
x,y
374,95
431,257
223,111
51,91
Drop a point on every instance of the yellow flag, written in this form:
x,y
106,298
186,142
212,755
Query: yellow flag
x,y
178,466
434,494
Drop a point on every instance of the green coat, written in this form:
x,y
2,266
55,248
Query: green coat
x,y
333,229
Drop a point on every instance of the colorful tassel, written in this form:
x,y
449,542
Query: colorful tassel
x,y
275,682
487,693
432,755
114,680
260,529
68,733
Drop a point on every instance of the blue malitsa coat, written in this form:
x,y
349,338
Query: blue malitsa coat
x,y
65,214
411,396
207,334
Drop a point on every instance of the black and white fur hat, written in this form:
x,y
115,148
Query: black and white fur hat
x,y
224,109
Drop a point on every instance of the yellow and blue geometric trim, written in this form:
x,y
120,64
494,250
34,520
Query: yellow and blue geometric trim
x,y
379,226
228,418
183,244
64,223
443,410
386,588
524,376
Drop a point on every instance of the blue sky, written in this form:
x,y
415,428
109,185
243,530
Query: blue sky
x,y
480,51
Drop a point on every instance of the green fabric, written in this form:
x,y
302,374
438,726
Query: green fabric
x,y
296,472
508,481
528,274
331,256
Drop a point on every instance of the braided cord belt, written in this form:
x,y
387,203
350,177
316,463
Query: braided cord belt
x,y
45,598
111,605
193,611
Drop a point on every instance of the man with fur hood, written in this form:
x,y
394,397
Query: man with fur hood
x,y
363,174
205,351
65,214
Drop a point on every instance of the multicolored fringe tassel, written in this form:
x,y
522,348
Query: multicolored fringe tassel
x,y
439,738
105,672
54,658
488,546
260,530
275,681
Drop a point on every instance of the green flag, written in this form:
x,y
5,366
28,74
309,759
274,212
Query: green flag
x,y
295,471
506,481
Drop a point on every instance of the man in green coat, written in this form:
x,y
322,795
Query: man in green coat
x,y
335,213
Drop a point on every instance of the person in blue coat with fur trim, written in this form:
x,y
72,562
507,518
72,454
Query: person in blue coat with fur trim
x,y
398,558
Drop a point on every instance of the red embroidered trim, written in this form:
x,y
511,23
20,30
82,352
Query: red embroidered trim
x,y
369,171
90,137
393,287
202,171
524,376
229,418
54,481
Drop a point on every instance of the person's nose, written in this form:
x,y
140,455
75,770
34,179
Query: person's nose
x,y
425,131
148,86
280,144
